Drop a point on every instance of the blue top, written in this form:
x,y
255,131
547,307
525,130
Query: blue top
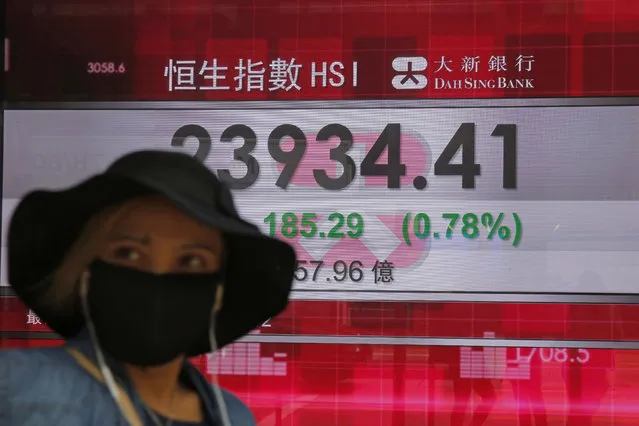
x,y
165,421
47,387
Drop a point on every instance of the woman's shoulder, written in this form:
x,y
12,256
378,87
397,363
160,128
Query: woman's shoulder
x,y
239,413
46,383
51,372
36,363
29,366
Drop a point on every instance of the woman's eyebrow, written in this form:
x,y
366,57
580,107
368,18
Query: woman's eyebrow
x,y
127,237
201,246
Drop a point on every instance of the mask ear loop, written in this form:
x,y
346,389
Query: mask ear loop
x,y
217,391
109,380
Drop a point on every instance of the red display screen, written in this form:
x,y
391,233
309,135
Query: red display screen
x,y
428,296
118,50
331,383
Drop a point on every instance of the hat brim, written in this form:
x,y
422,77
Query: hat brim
x,y
46,223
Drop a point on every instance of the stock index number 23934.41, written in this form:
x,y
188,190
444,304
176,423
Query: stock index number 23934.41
x,y
374,163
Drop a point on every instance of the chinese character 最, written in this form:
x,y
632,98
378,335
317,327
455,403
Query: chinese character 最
x,y
383,271
33,319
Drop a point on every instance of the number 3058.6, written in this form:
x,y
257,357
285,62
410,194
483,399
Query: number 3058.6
x,y
105,68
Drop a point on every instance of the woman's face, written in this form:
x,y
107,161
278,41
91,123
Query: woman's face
x,y
152,235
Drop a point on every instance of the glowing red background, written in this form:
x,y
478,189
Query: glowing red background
x,y
581,48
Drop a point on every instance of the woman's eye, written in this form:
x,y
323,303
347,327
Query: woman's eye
x,y
191,261
127,253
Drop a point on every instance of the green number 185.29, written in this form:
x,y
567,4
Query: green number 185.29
x,y
290,225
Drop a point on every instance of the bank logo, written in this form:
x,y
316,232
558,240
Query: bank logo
x,y
408,75
465,73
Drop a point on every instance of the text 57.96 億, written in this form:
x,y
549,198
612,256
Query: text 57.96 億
x,y
354,271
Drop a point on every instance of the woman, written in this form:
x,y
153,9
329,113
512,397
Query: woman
x,y
137,268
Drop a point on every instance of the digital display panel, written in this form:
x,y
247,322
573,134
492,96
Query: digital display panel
x,y
458,179
541,204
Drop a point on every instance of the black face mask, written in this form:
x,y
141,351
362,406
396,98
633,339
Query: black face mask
x,y
147,319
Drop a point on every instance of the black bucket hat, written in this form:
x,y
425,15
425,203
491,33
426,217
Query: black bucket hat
x,y
46,223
